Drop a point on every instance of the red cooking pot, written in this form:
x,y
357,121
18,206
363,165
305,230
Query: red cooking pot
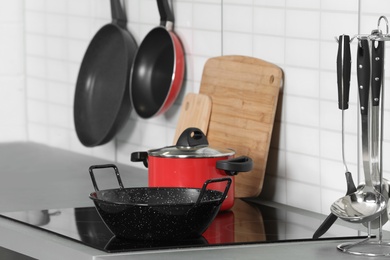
x,y
191,162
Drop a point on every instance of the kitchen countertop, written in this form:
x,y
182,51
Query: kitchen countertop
x,y
36,176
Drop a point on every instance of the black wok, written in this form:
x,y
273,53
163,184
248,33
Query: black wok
x,y
102,103
157,213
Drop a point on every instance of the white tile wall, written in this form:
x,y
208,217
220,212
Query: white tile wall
x,y
46,40
12,91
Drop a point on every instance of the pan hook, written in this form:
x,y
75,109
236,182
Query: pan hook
x,y
387,23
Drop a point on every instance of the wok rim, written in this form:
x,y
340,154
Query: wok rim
x,y
93,197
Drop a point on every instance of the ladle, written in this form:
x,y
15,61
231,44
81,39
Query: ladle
x,y
377,72
343,85
377,53
366,204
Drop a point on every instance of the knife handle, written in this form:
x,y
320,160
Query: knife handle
x,y
343,71
363,74
328,222
377,52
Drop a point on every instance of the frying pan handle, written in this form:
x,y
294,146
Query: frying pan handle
x,y
192,136
104,166
206,183
118,14
235,165
166,14
140,157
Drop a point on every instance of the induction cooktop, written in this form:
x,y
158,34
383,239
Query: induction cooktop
x,y
246,223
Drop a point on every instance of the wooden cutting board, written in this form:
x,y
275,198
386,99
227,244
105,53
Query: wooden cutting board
x,y
244,93
194,112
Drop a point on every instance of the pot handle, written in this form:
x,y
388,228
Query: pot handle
x,y
235,165
104,166
192,136
140,157
206,183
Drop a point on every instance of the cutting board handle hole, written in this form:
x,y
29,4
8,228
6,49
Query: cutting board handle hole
x,y
187,106
271,79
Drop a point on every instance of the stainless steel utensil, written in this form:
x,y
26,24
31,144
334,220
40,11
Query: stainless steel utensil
x,y
377,72
343,85
377,51
374,246
366,204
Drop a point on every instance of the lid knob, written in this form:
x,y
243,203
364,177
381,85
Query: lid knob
x,y
192,136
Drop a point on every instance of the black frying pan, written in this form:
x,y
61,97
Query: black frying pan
x,y
158,69
102,104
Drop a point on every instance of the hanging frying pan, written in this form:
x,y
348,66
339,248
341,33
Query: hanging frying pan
x,y
158,68
102,104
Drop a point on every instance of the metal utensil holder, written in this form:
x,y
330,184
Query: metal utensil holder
x,y
374,245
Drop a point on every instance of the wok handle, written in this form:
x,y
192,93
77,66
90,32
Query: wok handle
x,y
105,166
117,14
165,11
206,183
235,165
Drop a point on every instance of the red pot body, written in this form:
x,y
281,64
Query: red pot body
x,y
189,173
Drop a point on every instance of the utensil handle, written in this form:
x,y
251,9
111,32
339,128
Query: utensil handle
x,y
104,166
343,71
363,74
235,165
165,11
328,222
118,15
377,53
203,190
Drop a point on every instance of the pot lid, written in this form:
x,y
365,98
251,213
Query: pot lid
x,y
192,143
199,151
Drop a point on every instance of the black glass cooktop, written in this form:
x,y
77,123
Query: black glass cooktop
x,y
245,223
